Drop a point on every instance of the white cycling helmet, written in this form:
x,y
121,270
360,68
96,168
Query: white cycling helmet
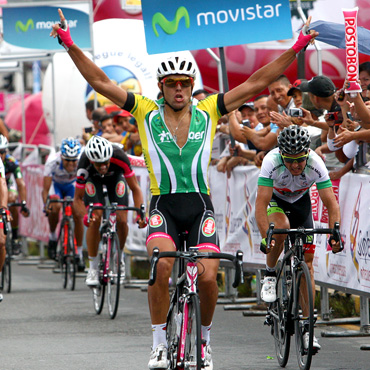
x,y
98,149
176,66
3,142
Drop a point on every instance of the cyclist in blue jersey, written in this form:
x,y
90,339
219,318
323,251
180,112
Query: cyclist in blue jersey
x,y
177,134
59,182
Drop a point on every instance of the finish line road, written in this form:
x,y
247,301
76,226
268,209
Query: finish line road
x,y
44,327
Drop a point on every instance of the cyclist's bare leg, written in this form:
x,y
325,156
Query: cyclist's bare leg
x,y
158,294
122,228
281,222
79,227
304,295
53,216
12,198
208,289
93,235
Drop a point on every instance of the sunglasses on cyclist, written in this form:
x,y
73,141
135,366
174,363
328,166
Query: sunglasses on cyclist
x,y
299,159
70,159
183,81
99,164
2,151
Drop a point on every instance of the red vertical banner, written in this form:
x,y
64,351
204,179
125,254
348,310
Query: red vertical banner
x,y
324,213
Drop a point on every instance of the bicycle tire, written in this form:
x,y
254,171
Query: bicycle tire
x,y
193,346
303,282
71,265
62,257
99,291
173,331
114,276
280,312
6,275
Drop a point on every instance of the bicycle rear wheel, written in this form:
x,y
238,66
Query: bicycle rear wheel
x,y
173,331
280,314
303,301
193,341
71,265
114,275
99,291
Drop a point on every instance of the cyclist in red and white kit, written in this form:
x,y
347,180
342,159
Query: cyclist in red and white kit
x,y
104,164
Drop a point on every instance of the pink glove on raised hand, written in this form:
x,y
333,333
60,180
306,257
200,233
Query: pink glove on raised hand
x,y
303,39
64,36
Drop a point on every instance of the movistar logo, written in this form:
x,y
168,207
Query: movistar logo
x,y
170,27
19,26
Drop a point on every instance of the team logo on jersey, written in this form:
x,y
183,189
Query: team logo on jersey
x,y
120,189
90,189
155,221
209,227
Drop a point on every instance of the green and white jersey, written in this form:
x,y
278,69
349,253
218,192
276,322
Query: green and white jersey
x,y
173,169
288,187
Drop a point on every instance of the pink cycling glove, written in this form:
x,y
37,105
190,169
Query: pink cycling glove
x,y
303,40
64,36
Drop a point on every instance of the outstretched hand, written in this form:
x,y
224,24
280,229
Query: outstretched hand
x,y
305,38
61,31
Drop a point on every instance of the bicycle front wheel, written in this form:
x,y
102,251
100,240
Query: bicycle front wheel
x,y
71,265
193,341
62,242
303,306
6,275
173,331
99,291
280,314
114,275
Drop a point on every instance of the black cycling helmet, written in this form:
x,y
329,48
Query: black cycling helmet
x,y
293,140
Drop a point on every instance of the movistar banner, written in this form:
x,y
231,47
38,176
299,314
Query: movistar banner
x,y
192,24
27,28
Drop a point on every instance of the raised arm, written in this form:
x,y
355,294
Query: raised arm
x,y
267,74
89,70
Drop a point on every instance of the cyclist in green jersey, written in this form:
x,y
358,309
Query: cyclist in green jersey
x,y
177,133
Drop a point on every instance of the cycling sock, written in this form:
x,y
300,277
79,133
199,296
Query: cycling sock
x,y
94,263
80,252
206,333
53,236
159,334
270,271
15,233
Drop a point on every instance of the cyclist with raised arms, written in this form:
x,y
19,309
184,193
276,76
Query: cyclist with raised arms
x,y
283,197
15,189
177,134
103,164
59,182
3,205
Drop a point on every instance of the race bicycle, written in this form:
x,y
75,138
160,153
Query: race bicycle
x,y
293,310
67,256
110,257
186,349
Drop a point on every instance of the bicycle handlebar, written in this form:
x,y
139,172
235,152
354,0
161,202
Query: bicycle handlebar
x,y
66,200
4,219
115,207
335,232
195,254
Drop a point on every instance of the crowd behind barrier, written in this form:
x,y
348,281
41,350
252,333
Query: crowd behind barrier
x,y
234,199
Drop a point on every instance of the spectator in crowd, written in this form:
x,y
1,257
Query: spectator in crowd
x,y
200,94
279,93
90,106
247,113
364,76
96,118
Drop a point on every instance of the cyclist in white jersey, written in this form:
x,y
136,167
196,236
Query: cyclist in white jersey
x,y
3,205
60,175
287,173
177,134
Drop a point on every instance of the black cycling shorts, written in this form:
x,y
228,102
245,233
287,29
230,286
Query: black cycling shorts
x,y
116,186
173,214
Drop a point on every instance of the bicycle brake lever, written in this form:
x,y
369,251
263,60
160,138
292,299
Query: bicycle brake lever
x,y
239,276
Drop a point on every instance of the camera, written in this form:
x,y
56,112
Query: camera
x,y
246,123
332,116
349,116
88,130
295,112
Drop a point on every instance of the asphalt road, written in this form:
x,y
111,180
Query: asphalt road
x,y
43,326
